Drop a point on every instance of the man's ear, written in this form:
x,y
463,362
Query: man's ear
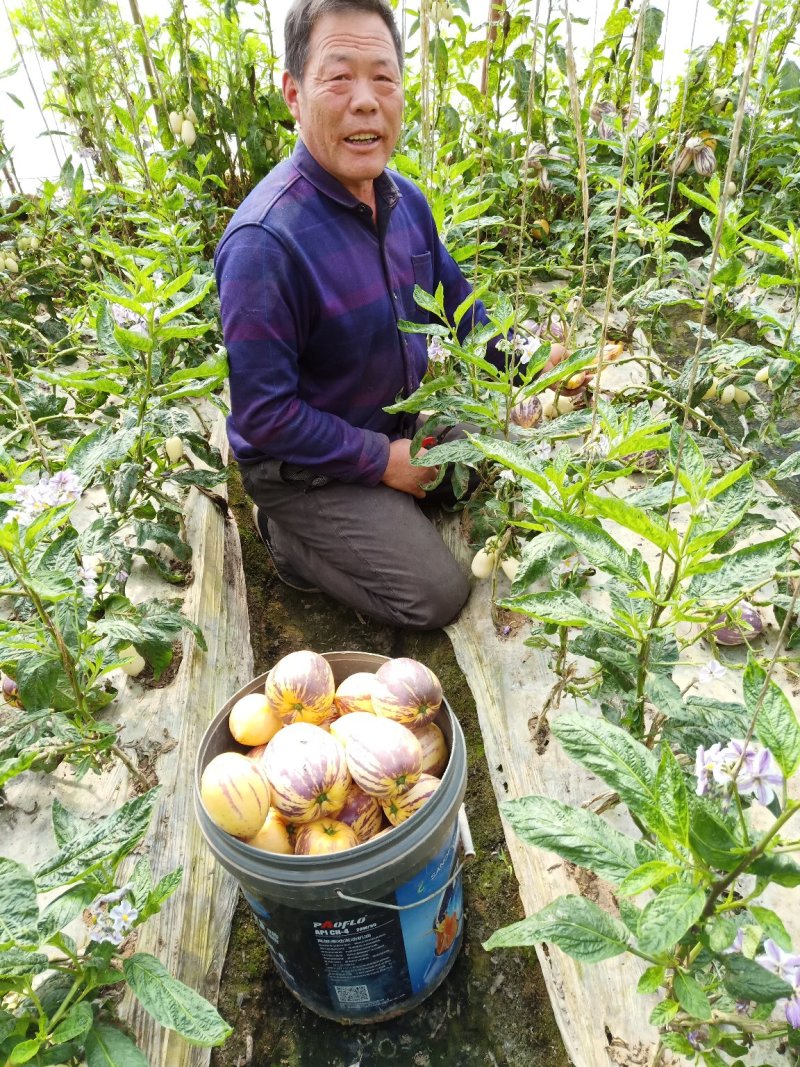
x,y
291,93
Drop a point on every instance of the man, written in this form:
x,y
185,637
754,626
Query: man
x,y
315,270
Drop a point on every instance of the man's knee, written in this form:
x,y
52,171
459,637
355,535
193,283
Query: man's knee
x,y
435,602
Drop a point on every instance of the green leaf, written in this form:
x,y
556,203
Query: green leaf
x,y
632,518
75,1023
623,763
24,1051
538,557
671,786
560,607
691,996
107,841
64,909
776,725
19,910
747,980
578,835
598,546
645,877
772,925
419,398
174,1004
576,925
187,304
668,916
720,580
16,963
790,468
106,1046
101,449
652,979
663,1013
66,825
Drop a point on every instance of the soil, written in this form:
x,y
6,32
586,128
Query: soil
x,y
493,1008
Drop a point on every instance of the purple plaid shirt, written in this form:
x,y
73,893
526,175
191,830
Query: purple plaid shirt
x,y
311,291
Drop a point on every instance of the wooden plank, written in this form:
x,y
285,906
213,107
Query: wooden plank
x,y
602,1018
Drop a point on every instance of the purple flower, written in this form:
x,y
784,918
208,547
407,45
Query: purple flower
x,y
792,1007
758,772
703,766
785,964
436,351
696,1038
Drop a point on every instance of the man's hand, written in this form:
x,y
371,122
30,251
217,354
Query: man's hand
x,y
401,475
557,355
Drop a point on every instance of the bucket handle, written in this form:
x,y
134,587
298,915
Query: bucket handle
x,y
469,854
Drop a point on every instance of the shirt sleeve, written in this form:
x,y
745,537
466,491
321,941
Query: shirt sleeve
x,y
267,307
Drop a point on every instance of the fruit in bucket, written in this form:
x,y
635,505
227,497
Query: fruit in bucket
x,y
434,749
362,813
347,726
300,686
383,757
273,835
235,794
406,691
323,837
355,693
404,805
251,721
307,772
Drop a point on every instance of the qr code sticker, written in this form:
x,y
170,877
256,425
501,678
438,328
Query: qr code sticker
x,y
352,994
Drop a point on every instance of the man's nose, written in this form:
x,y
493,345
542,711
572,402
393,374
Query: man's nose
x,y
363,97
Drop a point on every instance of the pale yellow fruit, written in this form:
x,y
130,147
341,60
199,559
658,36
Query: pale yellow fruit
x,y
23,243
711,392
235,794
251,721
564,404
483,563
763,374
730,188
86,261
190,115
347,726
510,567
273,835
131,662
33,243
727,395
355,693
188,135
173,446
741,397
175,122
434,749
11,265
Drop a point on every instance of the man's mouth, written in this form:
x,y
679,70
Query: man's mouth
x,y
362,138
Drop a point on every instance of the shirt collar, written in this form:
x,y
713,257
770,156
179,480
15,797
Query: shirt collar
x,y
304,162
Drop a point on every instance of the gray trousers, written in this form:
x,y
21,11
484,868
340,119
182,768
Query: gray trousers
x,y
370,547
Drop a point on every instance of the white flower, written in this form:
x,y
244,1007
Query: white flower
x,y
436,351
506,475
711,671
543,451
48,492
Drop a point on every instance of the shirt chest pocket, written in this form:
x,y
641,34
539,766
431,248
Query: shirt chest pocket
x,y
422,265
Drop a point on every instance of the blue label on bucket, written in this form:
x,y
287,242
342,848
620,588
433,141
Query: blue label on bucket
x,y
364,961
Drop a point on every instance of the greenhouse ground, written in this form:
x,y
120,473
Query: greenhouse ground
x,y
493,1009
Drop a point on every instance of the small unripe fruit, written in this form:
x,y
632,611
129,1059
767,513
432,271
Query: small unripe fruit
x,y
33,243
131,662
728,394
23,243
730,188
510,567
563,404
190,115
173,446
711,392
86,261
763,374
540,229
175,122
235,794
188,136
251,722
741,397
483,563
11,265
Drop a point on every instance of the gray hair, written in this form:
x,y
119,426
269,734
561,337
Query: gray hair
x,y
305,14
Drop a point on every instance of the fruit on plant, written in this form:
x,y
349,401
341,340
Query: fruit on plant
x,y
434,749
762,374
727,395
483,563
711,392
23,243
173,446
548,404
175,122
273,835
540,229
730,188
347,726
323,837
750,626
384,758
527,412
307,772
11,265
235,794
33,243
188,135
612,350
189,114
510,567
563,404
404,805
131,662
355,693
301,686
9,690
406,691
251,721
362,813
740,396
86,260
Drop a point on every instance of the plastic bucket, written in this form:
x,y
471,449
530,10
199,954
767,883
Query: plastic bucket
x,y
363,935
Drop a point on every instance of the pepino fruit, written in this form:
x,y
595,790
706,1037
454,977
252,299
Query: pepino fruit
x,y
355,693
406,691
235,794
307,772
362,813
402,807
173,446
483,563
384,758
323,837
251,721
175,122
188,134
273,835
131,662
434,749
347,726
301,686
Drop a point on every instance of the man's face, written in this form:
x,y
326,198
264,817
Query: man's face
x,y
350,101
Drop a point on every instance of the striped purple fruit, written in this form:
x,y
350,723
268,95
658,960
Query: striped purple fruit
x,y
384,757
362,813
403,806
300,686
406,691
307,772
235,794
